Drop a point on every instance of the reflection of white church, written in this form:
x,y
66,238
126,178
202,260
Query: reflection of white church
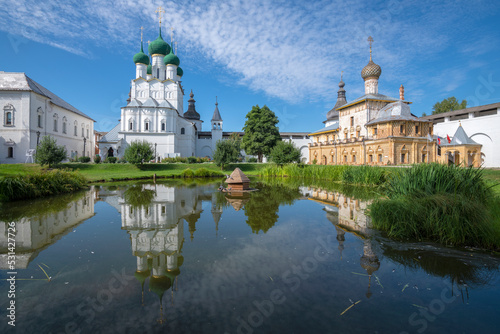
x,y
34,234
154,112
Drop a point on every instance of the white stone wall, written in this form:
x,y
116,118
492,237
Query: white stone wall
x,y
483,130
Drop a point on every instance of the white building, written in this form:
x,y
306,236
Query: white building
x,y
154,112
480,123
30,112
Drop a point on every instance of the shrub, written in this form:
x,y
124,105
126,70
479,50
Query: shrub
x,y
110,160
97,159
84,159
252,159
138,152
192,160
226,151
49,153
284,152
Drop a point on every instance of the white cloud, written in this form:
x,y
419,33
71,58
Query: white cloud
x,y
290,50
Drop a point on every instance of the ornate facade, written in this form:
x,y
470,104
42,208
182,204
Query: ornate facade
x,y
376,129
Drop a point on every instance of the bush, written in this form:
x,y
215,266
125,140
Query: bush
x,y
138,152
97,159
284,152
226,151
49,153
192,160
110,160
252,159
84,159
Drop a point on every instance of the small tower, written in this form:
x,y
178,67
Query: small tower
x,y
401,93
158,49
371,73
216,125
332,116
141,61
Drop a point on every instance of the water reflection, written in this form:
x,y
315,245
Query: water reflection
x,y
348,215
41,223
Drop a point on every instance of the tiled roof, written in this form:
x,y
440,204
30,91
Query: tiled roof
x,y
20,81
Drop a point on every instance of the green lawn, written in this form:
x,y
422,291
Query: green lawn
x,y
109,172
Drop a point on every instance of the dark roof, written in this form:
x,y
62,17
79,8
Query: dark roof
x,y
20,81
191,113
216,115
464,111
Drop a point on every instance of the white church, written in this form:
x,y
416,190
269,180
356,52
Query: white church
x,y
154,112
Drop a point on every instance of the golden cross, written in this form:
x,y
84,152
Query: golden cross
x,y
160,11
370,41
341,74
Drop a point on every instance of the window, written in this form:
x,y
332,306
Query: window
x,y
375,131
357,133
39,121
130,126
353,158
439,150
424,157
55,125
64,127
401,128
370,158
8,118
8,115
10,152
352,120
163,209
416,129
76,131
183,131
402,157
146,126
162,126
87,133
83,132
380,158
345,158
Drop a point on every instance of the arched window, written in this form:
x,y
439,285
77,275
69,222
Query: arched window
x,y
39,117
56,117
183,131
130,126
10,152
76,128
163,126
64,124
8,115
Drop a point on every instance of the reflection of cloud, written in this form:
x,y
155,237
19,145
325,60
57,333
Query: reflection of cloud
x,y
285,49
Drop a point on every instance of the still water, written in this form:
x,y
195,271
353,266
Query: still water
x,y
185,258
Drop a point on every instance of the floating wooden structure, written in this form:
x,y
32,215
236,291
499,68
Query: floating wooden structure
x,y
237,181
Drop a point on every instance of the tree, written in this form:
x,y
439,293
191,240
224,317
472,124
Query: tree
x,y
138,152
284,153
226,151
448,104
261,132
49,153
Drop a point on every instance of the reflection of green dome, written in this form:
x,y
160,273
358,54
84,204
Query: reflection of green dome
x,y
180,72
180,260
159,46
159,284
142,275
141,57
150,69
171,59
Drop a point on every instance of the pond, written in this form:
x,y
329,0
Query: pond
x,y
185,258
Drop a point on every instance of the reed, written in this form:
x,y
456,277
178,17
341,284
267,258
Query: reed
x,y
39,184
448,204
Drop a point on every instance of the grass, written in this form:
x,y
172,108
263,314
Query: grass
x,y
448,204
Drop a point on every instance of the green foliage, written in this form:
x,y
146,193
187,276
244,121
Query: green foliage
x,y
97,159
226,151
361,175
49,153
138,152
284,153
261,132
252,159
200,172
448,104
137,196
192,160
110,160
448,204
84,159
40,184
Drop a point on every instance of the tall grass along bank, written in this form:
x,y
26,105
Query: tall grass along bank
x,y
448,204
39,184
361,175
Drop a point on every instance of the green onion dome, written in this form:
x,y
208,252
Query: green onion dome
x,y
180,72
141,57
171,59
159,46
159,284
149,69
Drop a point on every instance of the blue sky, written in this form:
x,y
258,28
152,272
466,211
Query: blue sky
x,y
287,55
